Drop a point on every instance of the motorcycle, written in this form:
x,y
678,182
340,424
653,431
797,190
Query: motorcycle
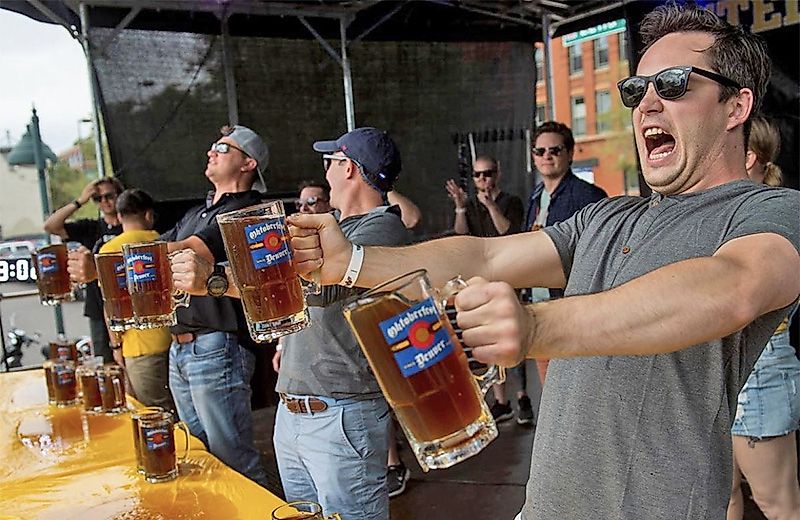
x,y
17,342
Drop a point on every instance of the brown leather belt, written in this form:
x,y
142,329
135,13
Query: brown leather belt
x,y
186,337
296,405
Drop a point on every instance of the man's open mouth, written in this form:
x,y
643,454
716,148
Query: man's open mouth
x,y
659,143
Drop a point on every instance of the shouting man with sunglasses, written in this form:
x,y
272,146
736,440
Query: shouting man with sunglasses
x,y
92,234
668,300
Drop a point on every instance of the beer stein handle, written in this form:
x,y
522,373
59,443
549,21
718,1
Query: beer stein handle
x,y
485,375
181,298
311,286
183,426
119,389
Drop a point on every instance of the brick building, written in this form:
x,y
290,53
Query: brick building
x,y
585,75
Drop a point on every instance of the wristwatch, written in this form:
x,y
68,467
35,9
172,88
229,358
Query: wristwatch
x,y
217,283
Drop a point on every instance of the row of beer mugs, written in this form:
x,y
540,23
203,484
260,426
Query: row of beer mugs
x,y
136,285
98,388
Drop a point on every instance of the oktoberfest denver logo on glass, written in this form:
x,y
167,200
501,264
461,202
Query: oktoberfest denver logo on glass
x,y
141,268
48,262
266,243
119,274
157,437
417,338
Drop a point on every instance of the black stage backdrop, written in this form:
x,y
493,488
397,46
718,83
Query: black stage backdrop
x,y
164,99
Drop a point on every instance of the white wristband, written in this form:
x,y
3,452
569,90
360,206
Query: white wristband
x,y
356,260
461,210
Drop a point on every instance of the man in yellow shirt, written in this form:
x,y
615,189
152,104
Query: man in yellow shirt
x,y
144,353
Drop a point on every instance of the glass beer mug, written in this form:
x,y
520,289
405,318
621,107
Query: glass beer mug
x,y
156,445
149,281
135,416
88,386
111,385
302,511
257,244
62,382
52,278
422,368
114,287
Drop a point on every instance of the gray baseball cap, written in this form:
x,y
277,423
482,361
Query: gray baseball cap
x,y
253,145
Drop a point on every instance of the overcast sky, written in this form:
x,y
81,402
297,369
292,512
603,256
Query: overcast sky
x,y
41,65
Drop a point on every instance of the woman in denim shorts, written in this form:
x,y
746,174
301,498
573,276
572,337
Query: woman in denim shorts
x,y
768,412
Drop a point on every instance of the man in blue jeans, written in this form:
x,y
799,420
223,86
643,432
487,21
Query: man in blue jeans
x,y
331,432
209,372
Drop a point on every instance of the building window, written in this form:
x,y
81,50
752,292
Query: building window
x,y
602,100
601,52
575,59
578,115
622,38
540,114
538,56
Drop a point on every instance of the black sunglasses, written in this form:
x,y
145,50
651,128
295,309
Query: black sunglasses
x,y
553,150
225,148
310,202
669,83
485,173
108,197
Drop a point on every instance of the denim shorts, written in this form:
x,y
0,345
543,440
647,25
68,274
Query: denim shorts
x,y
769,403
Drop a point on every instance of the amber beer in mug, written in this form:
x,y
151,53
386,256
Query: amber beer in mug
x,y
114,287
52,278
135,416
63,382
423,370
111,386
149,281
63,348
157,445
257,245
88,386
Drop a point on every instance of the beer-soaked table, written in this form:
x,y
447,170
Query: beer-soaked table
x,y
57,463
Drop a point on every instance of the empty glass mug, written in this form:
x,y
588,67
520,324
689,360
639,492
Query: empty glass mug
x,y
149,281
422,368
257,245
156,445
302,511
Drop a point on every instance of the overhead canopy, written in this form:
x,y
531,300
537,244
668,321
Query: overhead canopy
x,y
378,20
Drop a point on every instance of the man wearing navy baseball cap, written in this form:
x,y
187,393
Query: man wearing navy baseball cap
x,y
331,432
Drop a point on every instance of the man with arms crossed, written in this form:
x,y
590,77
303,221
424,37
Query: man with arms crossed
x,y
669,301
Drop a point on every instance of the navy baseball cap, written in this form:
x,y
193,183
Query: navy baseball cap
x,y
373,150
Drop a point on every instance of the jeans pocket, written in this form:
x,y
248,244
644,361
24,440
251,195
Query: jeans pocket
x,y
354,433
209,345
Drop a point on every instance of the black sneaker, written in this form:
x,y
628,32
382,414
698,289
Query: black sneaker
x,y
396,478
525,413
501,412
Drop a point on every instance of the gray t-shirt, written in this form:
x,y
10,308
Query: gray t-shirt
x,y
324,359
648,437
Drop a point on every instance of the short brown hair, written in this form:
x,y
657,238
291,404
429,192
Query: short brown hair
x,y
735,54
554,127
326,190
114,182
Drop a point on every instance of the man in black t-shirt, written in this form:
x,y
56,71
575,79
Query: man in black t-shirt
x,y
91,233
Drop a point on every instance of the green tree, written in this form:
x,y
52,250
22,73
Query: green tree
x,y
66,183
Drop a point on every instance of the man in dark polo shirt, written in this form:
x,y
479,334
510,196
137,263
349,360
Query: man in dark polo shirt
x,y
209,371
92,233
